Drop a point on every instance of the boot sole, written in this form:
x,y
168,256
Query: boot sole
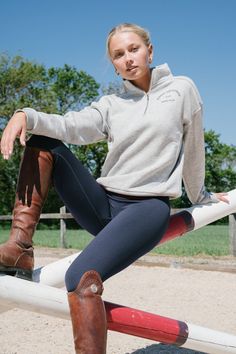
x,y
16,272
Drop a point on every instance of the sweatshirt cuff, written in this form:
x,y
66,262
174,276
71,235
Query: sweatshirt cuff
x,y
31,117
208,197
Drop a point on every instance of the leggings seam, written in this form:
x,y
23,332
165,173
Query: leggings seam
x,y
77,179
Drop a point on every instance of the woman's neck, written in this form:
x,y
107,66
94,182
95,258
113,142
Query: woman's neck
x,y
144,82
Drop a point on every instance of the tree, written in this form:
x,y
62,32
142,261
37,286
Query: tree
x,y
220,163
220,167
58,90
27,84
72,88
23,84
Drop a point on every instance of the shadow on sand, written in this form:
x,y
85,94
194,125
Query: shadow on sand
x,y
164,349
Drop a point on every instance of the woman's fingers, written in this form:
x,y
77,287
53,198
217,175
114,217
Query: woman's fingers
x,y
7,141
15,127
22,136
222,197
5,144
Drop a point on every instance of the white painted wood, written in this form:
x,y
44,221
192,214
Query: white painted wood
x,y
30,296
48,300
44,297
210,341
53,274
208,213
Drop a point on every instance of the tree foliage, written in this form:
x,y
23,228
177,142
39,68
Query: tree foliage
x,y
220,163
57,90
220,167
72,88
23,84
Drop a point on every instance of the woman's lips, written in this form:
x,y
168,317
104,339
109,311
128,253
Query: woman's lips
x,y
132,68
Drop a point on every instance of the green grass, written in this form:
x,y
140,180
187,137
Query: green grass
x,y
209,240
77,239
212,240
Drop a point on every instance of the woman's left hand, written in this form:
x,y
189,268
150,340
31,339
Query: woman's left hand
x,y
221,197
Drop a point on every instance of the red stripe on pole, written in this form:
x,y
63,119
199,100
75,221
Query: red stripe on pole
x,y
179,224
146,325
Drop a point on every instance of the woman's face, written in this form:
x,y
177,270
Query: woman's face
x,y
130,56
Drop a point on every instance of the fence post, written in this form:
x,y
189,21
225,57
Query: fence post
x,y
232,234
62,228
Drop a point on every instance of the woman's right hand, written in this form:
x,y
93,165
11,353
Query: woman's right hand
x,y
15,127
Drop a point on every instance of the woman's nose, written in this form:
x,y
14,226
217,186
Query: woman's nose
x,y
128,59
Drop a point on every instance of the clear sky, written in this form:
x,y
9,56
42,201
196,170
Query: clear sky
x,y
196,38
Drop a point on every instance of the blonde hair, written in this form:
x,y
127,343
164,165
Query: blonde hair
x,y
129,27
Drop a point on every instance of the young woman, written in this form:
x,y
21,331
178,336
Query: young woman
x,y
155,138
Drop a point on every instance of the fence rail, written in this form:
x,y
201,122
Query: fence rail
x,y
63,215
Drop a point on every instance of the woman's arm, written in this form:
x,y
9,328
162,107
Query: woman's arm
x,y
194,149
16,127
194,163
83,127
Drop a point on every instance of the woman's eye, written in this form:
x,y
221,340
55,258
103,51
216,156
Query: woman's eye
x,y
117,55
134,49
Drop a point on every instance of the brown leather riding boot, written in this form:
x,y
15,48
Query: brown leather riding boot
x,y
16,255
88,315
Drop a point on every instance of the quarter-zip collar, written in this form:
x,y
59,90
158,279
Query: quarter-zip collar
x,y
159,74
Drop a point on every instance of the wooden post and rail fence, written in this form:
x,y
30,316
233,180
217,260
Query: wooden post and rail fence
x,y
63,215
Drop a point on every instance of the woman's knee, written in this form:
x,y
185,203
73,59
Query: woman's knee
x,y
44,142
75,272
71,279
83,263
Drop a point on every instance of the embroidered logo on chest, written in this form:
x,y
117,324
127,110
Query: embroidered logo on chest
x,y
169,96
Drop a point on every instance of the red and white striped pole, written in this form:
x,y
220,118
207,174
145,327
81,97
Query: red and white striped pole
x,y
180,223
144,324
52,301
169,331
198,216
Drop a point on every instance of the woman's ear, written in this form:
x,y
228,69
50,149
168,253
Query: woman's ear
x,y
150,53
116,71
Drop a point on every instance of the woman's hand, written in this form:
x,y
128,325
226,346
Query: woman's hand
x,y
15,127
221,197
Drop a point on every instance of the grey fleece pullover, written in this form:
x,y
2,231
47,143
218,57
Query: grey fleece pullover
x,y
155,138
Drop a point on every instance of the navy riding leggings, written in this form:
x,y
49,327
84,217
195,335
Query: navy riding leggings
x,y
125,228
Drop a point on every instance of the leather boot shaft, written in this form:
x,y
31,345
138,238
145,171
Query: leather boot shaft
x,y
34,180
88,315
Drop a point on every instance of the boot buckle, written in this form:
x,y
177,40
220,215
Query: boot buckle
x,y
94,288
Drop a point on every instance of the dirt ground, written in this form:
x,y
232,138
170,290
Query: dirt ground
x,y
197,290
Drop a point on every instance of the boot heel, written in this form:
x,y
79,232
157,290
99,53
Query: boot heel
x,y
18,273
7,271
24,274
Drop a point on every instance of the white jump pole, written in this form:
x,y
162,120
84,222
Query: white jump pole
x,y
27,295
207,213
53,274
48,300
198,216
190,219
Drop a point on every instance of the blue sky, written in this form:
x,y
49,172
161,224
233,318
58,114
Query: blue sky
x,y
196,38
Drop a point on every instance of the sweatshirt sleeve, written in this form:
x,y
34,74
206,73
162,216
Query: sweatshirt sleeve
x,y
80,128
194,153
